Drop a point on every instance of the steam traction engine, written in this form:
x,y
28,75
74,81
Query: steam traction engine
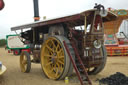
x,y
84,30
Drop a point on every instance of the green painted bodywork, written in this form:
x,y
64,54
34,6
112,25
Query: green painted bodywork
x,y
27,47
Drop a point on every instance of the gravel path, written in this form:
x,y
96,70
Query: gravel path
x,y
13,75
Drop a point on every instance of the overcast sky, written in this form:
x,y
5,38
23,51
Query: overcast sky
x,y
18,12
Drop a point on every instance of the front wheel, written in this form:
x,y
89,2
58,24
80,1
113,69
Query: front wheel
x,y
96,70
25,62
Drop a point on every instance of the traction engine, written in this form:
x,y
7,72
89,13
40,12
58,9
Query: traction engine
x,y
84,30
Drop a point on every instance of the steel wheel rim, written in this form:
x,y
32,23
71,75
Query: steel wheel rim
x,y
23,62
52,58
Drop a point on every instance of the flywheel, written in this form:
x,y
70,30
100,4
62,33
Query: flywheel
x,y
56,30
55,61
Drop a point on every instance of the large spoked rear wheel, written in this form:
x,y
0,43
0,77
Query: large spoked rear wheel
x,y
96,70
25,62
55,61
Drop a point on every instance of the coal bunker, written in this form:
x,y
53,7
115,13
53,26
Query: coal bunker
x,y
115,79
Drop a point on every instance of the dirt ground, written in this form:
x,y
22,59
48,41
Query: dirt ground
x,y
13,75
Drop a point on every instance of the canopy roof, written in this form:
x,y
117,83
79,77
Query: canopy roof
x,y
75,18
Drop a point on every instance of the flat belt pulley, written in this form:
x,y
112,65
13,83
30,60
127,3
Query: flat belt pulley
x,y
56,30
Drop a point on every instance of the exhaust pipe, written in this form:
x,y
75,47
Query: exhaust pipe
x,y
36,10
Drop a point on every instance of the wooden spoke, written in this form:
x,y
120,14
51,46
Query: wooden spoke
x,y
59,61
50,49
24,62
48,64
48,55
57,47
57,71
60,51
60,57
54,46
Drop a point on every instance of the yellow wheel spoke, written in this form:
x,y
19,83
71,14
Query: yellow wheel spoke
x,y
50,52
59,61
60,52
48,55
54,46
23,69
24,62
57,47
49,63
24,58
59,67
57,70
50,49
61,57
52,69
23,65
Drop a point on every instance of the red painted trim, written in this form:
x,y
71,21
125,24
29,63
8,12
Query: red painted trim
x,y
28,50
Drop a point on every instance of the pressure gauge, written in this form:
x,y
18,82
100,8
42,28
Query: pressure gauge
x,y
97,43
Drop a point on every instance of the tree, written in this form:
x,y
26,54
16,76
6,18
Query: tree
x,y
2,42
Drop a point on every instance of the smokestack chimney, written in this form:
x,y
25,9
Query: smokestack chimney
x,y
36,10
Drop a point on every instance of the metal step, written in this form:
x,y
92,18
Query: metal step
x,y
78,66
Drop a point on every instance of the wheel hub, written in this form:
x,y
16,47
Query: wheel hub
x,y
54,58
